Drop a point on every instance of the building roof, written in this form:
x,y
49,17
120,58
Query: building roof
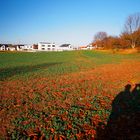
x,y
46,43
6,45
65,45
20,44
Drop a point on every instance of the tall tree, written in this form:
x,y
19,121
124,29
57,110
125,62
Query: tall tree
x,y
99,36
131,27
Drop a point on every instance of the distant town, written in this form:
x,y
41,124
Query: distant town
x,y
44,46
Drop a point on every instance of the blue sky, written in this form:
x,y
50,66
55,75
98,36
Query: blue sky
x,y
62,21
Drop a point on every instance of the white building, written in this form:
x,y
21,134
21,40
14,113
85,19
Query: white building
x,y
65,47
83,48
45,46
41,46
11,48
24,47
88,47
3,47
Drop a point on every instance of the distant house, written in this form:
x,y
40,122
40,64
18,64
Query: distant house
x,y
12,48
9,47
46,46
88,47
65,47
94,45
26,47
19,47
4,47
83,48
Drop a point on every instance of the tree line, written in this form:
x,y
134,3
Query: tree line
x,y
129,38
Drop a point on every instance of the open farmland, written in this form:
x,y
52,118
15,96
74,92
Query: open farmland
x,y
69,95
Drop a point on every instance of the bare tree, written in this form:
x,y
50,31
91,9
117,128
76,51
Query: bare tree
x,y
131,27
99,39
99,36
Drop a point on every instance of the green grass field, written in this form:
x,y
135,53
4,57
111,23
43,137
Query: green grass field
x,y
14,65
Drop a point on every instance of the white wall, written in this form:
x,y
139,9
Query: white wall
x,y
67,48
2,48
42,46
26,47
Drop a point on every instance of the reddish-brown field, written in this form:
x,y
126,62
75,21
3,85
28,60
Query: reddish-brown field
x,y
79,105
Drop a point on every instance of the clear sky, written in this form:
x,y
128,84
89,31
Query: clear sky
x,y
62,21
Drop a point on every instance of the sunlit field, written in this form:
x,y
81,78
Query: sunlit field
x,y
76,95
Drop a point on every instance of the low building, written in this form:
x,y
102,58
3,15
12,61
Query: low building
x,y
65,47
12,48
25,47
45,46
83,48
94,45
4,47
88,47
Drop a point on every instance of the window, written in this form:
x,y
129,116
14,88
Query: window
x,y
53,45
43,45
49,49
49,45
43,48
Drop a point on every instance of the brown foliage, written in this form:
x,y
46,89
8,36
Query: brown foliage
x,y
129,38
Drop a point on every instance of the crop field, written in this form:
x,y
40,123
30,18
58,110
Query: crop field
x,y
77,95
